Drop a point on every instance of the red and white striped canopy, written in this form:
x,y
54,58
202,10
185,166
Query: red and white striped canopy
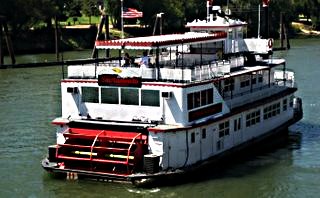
x,y
161,41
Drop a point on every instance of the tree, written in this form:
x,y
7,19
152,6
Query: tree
x,y
90,8
73,9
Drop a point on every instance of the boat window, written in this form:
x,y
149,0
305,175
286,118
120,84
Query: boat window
x,y
109,95
260,78
204,98
284,104
150,98
291,101
90,94
252,118
237,124
224,129
229,85
204,133
240,34
190,101
129,96
200,98
193,137
271,111
197,99
210,96
245,83
254,81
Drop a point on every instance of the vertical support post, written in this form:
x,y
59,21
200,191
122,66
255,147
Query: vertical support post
x,y
231,89
157,63
259,20
170,57
182,62
281,30
284,74
269,77
266,16
120,57
200,54
177,53
251,86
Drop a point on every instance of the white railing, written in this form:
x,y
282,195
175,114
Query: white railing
x,y
189,74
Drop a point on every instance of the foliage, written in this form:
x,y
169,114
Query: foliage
x,y
310,9
25,14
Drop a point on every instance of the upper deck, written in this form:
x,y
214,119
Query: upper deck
x,y
189,57
186,81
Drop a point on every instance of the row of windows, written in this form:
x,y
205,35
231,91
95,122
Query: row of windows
x,y
200,98
253,118
125,96
229,83
254,80
223,131
271,111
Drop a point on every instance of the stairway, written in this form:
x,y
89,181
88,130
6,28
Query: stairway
x,y
104,151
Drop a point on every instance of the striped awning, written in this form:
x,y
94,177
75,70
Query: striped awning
x,y
160,41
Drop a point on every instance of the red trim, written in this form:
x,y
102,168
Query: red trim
x,y
216,27
79,81
58,123
104,134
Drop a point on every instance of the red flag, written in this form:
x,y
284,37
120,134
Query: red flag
x,y
130,13
265,3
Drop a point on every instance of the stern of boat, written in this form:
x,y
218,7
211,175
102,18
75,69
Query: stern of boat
x,y
98,153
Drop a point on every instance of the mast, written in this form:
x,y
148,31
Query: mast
x,y
265,5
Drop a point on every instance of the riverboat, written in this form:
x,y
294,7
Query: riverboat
x,y
203,94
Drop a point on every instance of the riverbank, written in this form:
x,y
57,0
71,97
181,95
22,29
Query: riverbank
x,y
71,38
43,40
83,37
304,30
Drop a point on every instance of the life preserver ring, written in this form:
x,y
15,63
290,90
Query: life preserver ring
x,y
270,43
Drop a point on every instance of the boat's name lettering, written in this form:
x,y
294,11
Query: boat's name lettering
x,y
115,80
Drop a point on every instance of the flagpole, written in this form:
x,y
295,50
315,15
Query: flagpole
x,y
122,34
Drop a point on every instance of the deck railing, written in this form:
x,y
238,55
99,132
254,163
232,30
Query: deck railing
x,y
188,73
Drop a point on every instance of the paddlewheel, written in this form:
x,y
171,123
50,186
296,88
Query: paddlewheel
x,y
103,151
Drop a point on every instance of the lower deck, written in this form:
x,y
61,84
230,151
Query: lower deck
x,y
143,178
123,150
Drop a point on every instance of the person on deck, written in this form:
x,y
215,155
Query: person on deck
x,y
127,60
144,59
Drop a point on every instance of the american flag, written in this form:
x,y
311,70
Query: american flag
x,y
130,13
265,3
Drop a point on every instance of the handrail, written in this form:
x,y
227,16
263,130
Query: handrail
x,y
131,146
93,143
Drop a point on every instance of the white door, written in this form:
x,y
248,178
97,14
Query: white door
x,y
237,130
194,145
